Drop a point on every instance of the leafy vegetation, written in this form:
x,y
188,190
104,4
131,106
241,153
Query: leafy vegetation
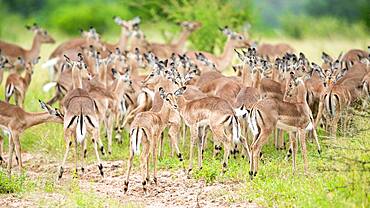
x,y
11,184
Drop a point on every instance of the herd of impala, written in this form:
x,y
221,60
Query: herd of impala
x,y
98,83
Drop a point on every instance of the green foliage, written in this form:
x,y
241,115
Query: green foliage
x,y
212,14
70,17
352,11
14,184
325,27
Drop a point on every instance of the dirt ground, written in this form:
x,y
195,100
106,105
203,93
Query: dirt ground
x,y
174,188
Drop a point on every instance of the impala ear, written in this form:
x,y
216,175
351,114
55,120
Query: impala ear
x,y
326,58
46,108
162,93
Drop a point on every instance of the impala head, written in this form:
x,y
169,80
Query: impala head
x,y
190,26
41,34
331,76
30,65
171,98
153,78
4,62
294,82
129,25
237,40
205,61
124,79
52,111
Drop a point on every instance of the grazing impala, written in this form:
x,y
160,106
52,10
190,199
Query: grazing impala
x,y
13,51
14,120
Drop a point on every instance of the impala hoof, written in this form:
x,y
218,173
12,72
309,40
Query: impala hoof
x,y
100,166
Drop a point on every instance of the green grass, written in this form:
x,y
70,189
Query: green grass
x,y
340,177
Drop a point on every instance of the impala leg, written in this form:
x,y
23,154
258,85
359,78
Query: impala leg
x,y
302,138
161,145
193,137
96,136
281,142
293,149
335,125
84,145
109,127
204,138
129,166
245,148
184,130
256,151
319,112
10,157
219,136
316,140
76,157
18,154
67,138
1,149
144,158
154,161
200,148
173,136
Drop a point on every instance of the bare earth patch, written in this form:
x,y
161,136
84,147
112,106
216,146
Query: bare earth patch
x,y
174,188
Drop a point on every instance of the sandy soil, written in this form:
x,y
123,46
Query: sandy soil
x,y
174,188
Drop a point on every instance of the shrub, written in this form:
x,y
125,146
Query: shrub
x,y
70,17
325,27
13,184
212,14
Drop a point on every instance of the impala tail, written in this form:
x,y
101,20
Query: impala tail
x,y
253,123
80,129
331,101
50,63
9,91
136,136
236,129
48,86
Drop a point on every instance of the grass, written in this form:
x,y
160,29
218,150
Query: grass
x,y
340,177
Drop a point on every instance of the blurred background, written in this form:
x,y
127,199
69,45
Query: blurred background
x,y
270,19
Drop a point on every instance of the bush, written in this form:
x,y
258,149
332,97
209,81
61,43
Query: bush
x,y
212,14
13,184
70,17
325,27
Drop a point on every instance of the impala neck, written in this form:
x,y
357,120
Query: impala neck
x,y
28,77
257,80
246,76
33,119
76,78
274,75
103,74
180,43
164,113
181,104
122,42
35,49
226,57
301,93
